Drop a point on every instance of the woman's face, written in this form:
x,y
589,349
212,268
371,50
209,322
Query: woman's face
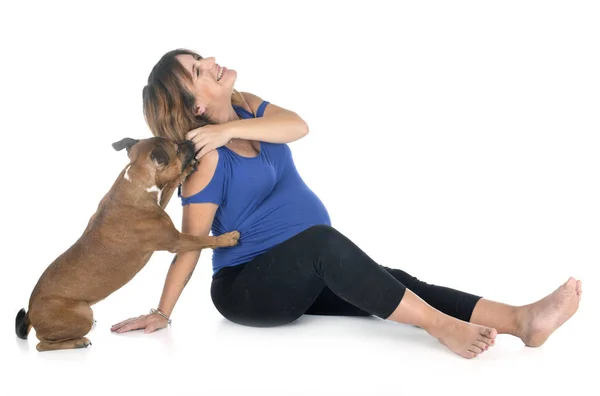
x,y
212,85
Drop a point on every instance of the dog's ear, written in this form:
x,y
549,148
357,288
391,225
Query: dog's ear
x,y
160,155
125,143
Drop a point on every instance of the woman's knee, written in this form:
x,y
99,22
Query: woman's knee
x,y
413,283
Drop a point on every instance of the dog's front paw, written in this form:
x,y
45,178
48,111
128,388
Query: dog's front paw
x,y
228,239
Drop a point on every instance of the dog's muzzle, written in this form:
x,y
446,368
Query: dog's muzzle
x,y
187,152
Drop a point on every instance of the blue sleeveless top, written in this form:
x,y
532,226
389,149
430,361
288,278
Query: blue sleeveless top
x,y
262,197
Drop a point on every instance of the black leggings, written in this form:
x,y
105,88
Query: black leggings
x,y
321,272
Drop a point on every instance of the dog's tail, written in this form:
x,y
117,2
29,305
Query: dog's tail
x,y
22,324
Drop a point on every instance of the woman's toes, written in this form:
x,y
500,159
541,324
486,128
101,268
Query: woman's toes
x,y
469,354
486,340
475,349
481,345
489,333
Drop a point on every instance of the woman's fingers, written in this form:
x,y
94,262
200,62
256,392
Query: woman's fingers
x,y
135,325
149,323
191,134
116,326
199,142
206,149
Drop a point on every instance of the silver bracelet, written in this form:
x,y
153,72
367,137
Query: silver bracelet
x,y
161,313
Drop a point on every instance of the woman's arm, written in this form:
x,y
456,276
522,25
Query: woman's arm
x,y
277,125
197,220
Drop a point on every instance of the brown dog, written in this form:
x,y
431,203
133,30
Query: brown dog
x,y
128,227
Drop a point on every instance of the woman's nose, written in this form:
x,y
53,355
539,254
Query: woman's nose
x,y
208,63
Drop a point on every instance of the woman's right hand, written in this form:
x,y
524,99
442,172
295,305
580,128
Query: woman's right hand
x,y
149,323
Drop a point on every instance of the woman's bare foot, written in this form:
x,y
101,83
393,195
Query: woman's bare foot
x,y
465,339
540,319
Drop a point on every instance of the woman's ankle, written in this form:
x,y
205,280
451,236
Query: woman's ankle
x,y
439,325
414,311
506,319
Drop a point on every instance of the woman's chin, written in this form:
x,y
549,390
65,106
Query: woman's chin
x,y
229,78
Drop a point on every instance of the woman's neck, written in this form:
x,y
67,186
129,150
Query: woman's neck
x,y
222,115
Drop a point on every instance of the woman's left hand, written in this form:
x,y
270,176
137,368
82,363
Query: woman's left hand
x,y
209,138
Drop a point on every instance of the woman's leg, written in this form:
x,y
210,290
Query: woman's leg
x,y
452,302
280,285
533,323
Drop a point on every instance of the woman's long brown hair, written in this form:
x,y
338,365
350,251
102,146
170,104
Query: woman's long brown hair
x,y
168,104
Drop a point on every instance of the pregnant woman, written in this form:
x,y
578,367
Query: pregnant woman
x,y
290,260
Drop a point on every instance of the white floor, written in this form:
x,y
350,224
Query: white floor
x,y
202,353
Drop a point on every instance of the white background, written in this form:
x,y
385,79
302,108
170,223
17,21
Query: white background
x,y
456,140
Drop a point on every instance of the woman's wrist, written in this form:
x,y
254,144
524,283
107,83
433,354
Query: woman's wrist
x,y
165,309
231,131
159,312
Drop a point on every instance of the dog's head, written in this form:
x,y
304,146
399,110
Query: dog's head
x,y
156,161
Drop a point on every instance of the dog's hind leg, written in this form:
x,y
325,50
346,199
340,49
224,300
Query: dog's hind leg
x,y
63,325
44,346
